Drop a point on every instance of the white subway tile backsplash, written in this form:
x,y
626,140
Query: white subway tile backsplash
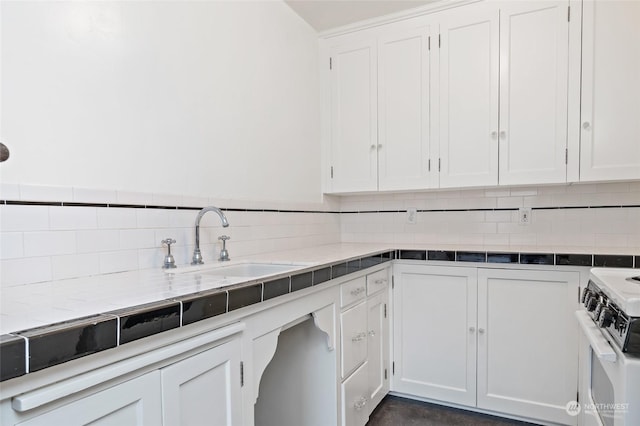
x,y
75,265
135,198
118,261
25,271
90,241
11,245
24,218
72,218
49,243
45,193
9,191
102,196
138,239
153,218
116,218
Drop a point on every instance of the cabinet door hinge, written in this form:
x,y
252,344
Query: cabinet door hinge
x,y
393,368
566,156
385,374
330,63
393,281
331,172
439,43
241,374
568,13
385,310
439,164
429,165
429,43
577,396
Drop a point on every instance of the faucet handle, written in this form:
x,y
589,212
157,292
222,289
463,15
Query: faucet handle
x,y
169,261
224,237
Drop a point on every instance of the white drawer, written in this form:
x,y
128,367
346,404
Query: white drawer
x,y
352,291
377,281
353,328
355,401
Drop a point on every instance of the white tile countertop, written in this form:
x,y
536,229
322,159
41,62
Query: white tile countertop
x,y
35,305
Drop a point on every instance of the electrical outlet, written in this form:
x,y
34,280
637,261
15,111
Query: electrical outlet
x,y
525,215
412,215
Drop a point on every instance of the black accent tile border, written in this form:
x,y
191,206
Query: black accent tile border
x,y
324,274
276,288
448,256
613,261
244,296
13,353
537,258
497,257
471,256
636,262
339,270
412,254
62,342
145,321
199,307
574,259
300,281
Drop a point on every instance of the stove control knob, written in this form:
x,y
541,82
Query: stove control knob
x,y
606,318
591,303
585,295
598,309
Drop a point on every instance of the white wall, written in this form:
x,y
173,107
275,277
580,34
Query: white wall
x,y
207,98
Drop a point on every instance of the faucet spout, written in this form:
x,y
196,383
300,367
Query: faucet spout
x,y
197,255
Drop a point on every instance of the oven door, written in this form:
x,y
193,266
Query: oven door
x,y
601,379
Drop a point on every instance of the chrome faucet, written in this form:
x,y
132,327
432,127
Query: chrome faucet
x,y
197,255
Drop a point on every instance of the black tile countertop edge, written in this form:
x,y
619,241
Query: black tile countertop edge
x,y
58,343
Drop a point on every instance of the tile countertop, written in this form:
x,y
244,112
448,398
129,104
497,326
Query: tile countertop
x,y
35,305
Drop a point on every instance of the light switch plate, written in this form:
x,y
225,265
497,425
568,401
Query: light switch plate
x,y
412,215
524,216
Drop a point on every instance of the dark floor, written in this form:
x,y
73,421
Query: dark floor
x,y
396,411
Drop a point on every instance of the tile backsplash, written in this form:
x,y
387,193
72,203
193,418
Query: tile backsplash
x,y
591,218
42,241
51,233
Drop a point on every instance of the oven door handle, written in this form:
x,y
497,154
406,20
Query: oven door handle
x,y
601,347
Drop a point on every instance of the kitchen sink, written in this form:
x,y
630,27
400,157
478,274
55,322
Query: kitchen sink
x,y
239,269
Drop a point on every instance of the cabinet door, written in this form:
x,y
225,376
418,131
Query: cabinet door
x,y
378,348
610,124
353,325
534,58
435,332
355,402
354,143
204,389
403,105
469,97
135,402
527,342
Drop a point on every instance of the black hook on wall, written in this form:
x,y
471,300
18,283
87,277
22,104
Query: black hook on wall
x,y
4,152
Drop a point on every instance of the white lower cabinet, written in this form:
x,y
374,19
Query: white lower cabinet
x,y
495,339
198,390
203,389
134,402
364,325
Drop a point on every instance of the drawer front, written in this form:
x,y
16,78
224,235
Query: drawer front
x,y
352,291
355,401
353,327
377,281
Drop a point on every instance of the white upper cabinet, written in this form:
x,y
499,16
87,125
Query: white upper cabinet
x,y
610,113
354,141
403,110
534,38
468,96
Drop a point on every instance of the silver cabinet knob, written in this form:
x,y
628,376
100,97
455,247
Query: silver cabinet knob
x,y
586,125
373,146
503,134
494,135
481,330
472,329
